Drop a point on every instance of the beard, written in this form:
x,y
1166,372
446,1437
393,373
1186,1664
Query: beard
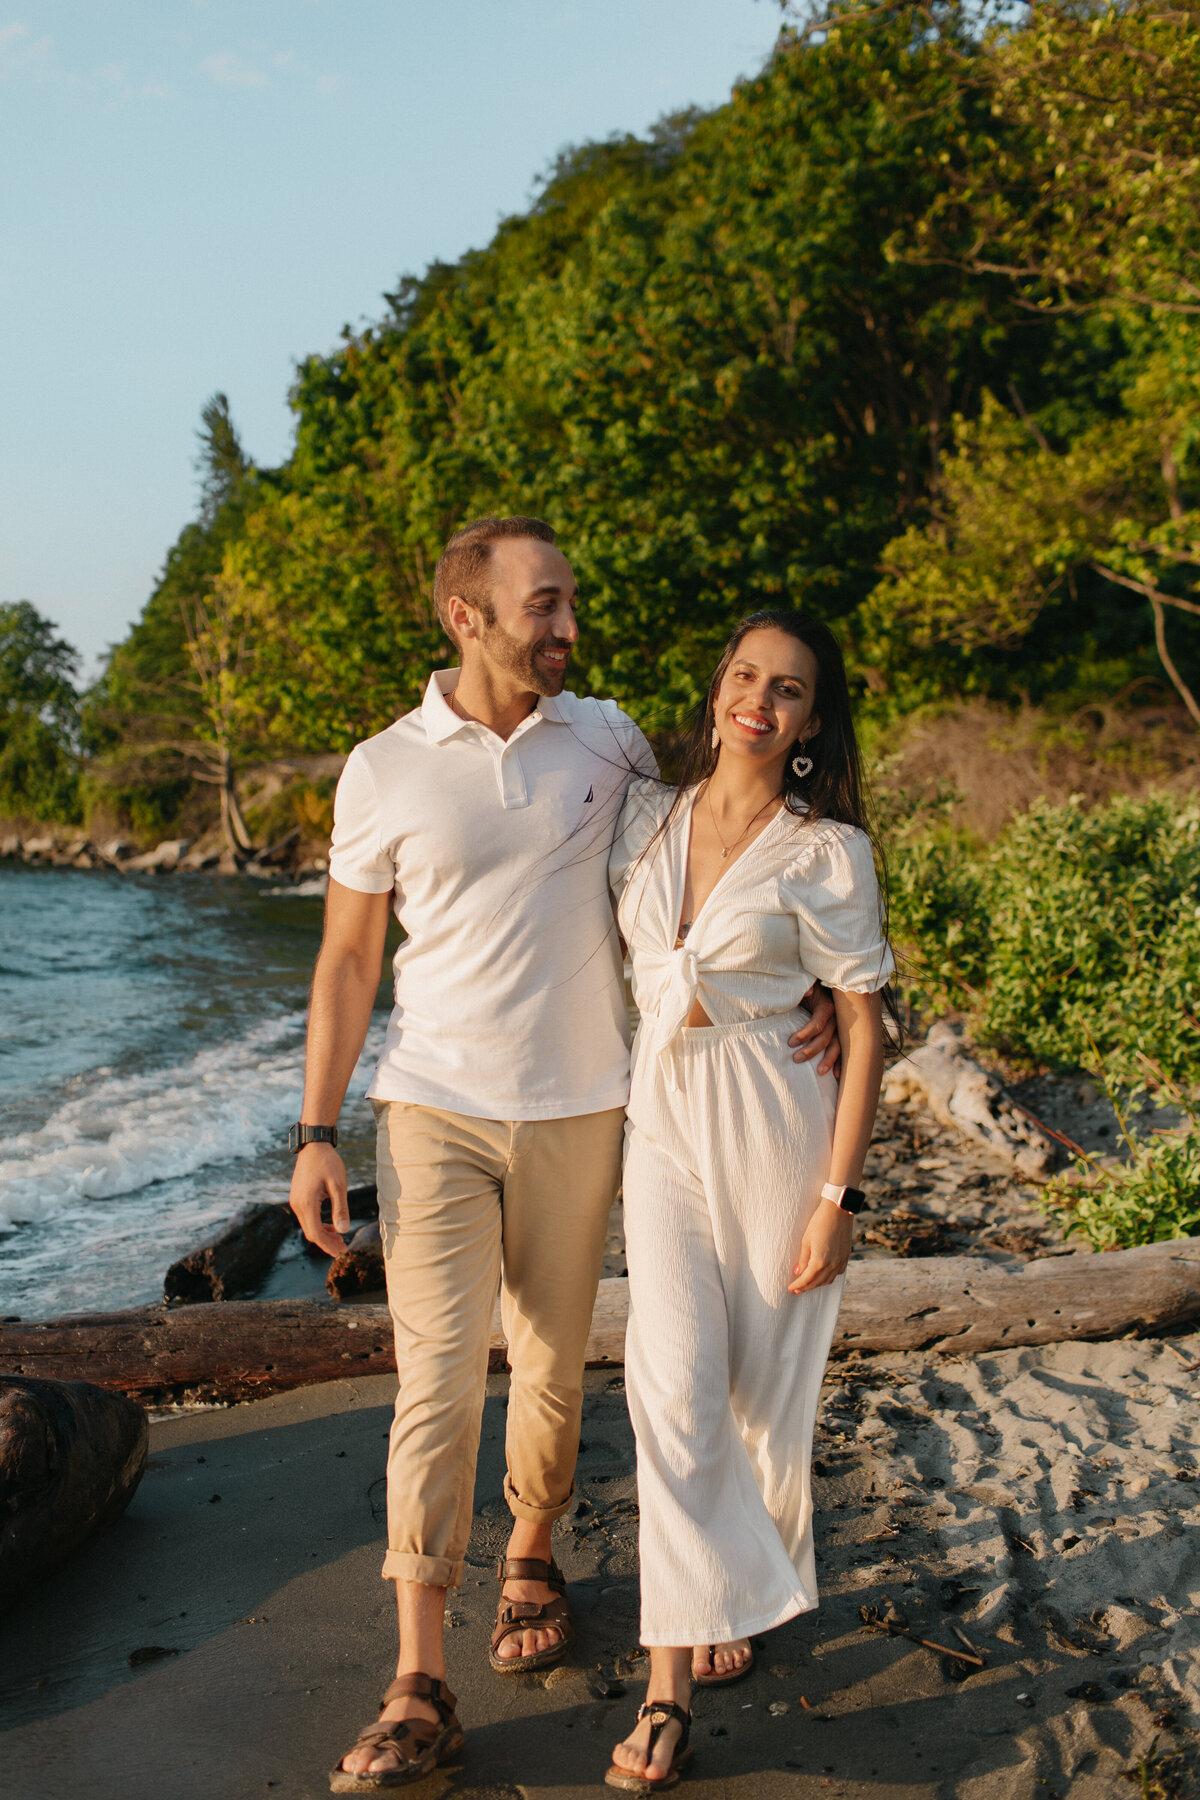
x,y
520,660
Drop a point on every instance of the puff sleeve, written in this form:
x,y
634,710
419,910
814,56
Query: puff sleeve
x,y
834,889
645,808
357,857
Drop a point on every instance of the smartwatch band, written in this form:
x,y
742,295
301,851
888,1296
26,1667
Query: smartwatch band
x,y
299,1135
851,1200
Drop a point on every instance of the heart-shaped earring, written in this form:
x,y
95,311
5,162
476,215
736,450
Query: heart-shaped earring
x,y
802,765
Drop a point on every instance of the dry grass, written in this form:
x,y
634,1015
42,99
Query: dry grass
x,y
996,760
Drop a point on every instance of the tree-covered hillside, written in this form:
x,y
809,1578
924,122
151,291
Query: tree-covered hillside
x,y
906,332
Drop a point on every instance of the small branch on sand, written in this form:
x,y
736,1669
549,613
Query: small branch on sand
x,y
872,1622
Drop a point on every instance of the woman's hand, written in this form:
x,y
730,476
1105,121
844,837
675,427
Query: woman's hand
x,y
824,1248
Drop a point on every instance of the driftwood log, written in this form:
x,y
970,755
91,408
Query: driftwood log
x,y
235,1258
359,1269
247,1348
71,1456
960,1093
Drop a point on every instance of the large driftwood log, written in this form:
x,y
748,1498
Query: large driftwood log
x,y
70,1459
968,1303
247,1348
959,1093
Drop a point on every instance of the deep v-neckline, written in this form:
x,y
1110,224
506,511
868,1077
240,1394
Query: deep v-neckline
x,y
680,888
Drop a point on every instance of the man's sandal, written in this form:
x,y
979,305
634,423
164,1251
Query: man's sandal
x,y
712,1679
660,1713
519,1616
419,1743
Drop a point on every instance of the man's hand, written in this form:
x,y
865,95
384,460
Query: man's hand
x,y
820,1034
320,1174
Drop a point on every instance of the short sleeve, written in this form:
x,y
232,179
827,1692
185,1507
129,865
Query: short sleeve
x,y
357,858
835,891
642,814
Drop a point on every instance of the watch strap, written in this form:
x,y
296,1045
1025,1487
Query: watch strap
x,y
849,1199
299,1135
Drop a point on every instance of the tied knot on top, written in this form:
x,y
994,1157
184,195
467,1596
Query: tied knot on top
x,y
677,996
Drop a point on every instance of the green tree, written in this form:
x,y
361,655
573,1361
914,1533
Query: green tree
x,y
39,717
144,722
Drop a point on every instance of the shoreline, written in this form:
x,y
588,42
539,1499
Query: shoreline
x,y
233,1625
58,848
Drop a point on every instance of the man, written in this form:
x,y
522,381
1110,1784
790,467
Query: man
x,y
485,818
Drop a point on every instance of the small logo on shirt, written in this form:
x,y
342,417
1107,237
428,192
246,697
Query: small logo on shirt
x,y
587,797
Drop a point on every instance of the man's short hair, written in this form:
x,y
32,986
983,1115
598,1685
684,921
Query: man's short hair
x,y
462,567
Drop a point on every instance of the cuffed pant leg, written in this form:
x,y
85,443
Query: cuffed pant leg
x,y
558,1193
440,1176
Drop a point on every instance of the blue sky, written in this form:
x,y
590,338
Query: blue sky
x,y
196,193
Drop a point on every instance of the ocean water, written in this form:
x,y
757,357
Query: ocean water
x,y
151,1060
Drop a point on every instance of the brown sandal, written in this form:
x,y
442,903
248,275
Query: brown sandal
x,y
420,1744
528,1615
660,1713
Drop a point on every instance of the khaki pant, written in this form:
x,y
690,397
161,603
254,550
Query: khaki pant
x,y
463,1204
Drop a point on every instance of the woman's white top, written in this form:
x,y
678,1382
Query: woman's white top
x,y
800,904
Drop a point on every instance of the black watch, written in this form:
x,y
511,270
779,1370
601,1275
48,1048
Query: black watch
x,y
851,1200
299,1135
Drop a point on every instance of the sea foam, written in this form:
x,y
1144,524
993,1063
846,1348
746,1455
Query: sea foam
x,y
123,1132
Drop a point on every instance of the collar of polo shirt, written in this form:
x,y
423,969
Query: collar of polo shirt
x,y
442,722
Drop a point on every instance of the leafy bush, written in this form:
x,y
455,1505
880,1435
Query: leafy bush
x,y
1073,941
1094,922
1152,1197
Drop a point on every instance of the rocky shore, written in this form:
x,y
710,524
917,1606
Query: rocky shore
x,y
62,849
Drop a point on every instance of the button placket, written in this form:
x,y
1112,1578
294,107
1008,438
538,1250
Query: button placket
x,y
511,775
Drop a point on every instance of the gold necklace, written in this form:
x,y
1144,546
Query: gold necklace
x,y
726,848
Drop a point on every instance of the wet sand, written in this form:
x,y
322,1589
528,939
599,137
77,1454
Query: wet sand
x,y
231,1633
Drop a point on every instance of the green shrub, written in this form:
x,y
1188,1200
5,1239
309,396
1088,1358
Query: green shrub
x,y
937,918
1073,941
1094,939
1152,1197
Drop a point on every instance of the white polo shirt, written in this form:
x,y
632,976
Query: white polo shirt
x,y
509,999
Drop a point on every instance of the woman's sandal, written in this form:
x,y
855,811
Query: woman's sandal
x,y
660,1713
712,1679
419,1743
520,1616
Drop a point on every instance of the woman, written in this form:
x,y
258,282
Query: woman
x,y
734,893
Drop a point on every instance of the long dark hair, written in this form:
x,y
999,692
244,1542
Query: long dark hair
x,y
834,788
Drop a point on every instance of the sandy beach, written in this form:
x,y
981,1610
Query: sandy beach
x,y
231,1632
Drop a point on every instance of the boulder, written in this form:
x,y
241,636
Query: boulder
x,y
71,1456
33,848
117,849
164,856
10,846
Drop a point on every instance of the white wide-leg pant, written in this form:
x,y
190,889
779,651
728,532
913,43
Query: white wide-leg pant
x,y
726,1148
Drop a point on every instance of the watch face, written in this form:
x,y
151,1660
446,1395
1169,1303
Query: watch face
x,y
853,1200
